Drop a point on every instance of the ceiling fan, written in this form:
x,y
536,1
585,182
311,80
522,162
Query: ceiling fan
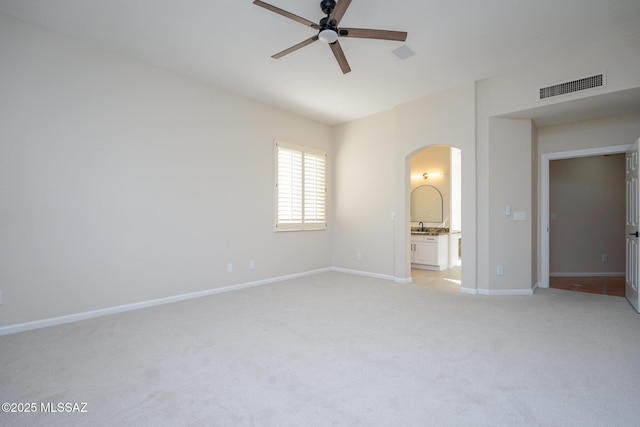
x,y
328,30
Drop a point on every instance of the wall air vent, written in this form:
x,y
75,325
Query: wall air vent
x,y
574,86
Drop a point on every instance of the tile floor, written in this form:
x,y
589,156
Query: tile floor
x,y
595,285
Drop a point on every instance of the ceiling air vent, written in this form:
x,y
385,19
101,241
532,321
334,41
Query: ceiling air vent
x,y
574,86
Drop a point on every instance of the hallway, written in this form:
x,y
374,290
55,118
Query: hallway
x,y
603,285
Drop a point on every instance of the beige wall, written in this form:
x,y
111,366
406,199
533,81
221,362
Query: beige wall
x,y
121,182
518,92
364,156
443,118
587,205
510,178
608,131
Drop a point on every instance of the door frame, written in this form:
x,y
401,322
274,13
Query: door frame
x,y
544,197
631,224
463,224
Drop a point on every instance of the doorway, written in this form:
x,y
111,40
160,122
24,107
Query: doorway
x,y
436,240
546,217
587,215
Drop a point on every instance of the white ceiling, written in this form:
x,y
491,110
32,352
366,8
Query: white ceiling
x,y
229,43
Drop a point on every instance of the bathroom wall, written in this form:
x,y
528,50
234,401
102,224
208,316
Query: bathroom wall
x,y
434,160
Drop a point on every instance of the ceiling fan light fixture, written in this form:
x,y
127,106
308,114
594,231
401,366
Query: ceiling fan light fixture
x,y
329,31
328,36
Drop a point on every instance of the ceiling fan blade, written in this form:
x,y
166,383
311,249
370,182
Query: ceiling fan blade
x,y
339,10
286,14
363,33
339,54
295,47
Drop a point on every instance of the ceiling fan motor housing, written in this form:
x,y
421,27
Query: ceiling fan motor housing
x,y
327,6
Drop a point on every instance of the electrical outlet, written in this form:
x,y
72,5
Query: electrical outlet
x,y
359,256
252,265
604,257
0,297
229,268
500,270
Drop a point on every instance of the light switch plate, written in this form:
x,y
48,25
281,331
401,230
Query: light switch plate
x,y
519,216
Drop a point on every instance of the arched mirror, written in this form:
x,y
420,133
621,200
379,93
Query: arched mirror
x,y
426,204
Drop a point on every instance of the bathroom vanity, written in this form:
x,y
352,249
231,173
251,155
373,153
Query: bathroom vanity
x,y
429,251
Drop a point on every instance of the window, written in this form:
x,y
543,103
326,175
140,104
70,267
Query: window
x,y
300,188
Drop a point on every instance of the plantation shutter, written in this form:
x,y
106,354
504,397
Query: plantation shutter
x,y
300,188
314,188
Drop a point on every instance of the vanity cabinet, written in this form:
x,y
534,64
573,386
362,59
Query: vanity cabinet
x,y
429,252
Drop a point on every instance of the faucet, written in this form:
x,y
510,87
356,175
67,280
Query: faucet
x,y
421,225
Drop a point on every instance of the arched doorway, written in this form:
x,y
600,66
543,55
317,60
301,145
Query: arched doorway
x,y
436,211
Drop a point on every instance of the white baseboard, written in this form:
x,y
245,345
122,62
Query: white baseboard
x,y
363,273
470,291
496,292
400,280
475,291
489,292
37,324
587,274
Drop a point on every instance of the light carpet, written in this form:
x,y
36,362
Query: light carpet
x,y
338,350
